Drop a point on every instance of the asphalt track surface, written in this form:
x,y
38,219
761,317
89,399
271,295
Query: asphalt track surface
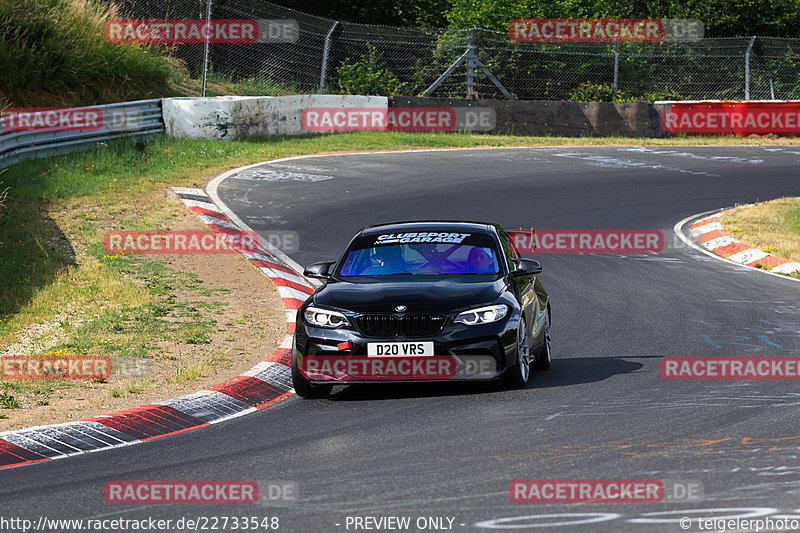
x,y
601,411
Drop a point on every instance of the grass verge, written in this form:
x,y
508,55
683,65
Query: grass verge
x,y
772,226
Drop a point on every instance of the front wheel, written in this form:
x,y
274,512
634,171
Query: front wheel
x,y
521,370
303,387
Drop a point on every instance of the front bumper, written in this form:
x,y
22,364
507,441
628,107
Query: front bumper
x,y
461,353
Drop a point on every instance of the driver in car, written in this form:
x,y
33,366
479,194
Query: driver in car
x,y
479,261
387,260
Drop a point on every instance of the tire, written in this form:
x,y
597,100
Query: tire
x,y
545,355
521,371
304,388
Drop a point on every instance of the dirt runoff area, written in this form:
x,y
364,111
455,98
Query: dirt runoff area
x,y
246,321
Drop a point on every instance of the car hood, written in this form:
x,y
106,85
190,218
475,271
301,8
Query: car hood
x,y
440,296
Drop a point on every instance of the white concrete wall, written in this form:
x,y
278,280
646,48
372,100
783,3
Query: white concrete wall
x,y
239,117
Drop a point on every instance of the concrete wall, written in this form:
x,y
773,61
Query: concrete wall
x,y
237,117
541,117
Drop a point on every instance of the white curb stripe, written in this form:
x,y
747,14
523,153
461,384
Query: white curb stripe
x,y
748,256
285,275
287,342
209,406
289,292
214,221
196,203
189,190
707,228
787,268
257,256
719,242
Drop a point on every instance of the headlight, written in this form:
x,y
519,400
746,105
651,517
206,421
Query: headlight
x,y
483,315
325,318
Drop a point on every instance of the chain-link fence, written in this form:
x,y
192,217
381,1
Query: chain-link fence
x,y
308,59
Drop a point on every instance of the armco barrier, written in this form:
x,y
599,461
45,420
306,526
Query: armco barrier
x,y
137,119
543,117
239,117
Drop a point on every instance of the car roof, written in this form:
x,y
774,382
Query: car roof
x,y
454,226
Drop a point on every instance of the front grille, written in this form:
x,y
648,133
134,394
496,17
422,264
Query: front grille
x,y
418,325
422,325
378,325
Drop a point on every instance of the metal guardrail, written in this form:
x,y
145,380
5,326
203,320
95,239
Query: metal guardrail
x,y
141,118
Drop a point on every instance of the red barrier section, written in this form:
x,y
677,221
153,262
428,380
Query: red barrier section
x,y
732,118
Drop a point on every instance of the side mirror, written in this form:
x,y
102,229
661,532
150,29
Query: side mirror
x,y
526,267
318,270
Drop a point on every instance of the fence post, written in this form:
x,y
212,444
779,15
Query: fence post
x,y
205,48
325,50
473,37
616,64
747,68
470,58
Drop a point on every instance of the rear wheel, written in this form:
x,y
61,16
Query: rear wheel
x,y
545,355
521,370
304,388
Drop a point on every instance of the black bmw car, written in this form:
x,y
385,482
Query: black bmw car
x,y
422,301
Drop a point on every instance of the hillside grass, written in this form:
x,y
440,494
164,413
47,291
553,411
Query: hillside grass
x,y
53,54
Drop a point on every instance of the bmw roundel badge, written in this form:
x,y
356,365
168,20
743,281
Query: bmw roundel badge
x,y
400,308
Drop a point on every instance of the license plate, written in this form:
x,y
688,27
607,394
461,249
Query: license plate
x,y
399,349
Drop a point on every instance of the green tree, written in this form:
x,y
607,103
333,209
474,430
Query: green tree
x,y
722,18
428,13
368,75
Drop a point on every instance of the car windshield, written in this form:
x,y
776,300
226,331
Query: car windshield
x,y
408,254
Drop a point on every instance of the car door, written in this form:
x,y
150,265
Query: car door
x,y
524,288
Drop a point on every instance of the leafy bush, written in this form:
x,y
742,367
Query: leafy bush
x,y
368,76
664,94
597,92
